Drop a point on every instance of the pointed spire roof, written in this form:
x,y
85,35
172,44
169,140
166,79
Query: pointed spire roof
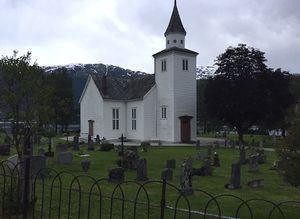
x,y
175,24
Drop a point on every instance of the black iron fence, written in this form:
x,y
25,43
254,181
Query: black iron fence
x,y
52,194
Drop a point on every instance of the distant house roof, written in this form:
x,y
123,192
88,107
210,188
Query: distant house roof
x,y
175,24
176,49
115,88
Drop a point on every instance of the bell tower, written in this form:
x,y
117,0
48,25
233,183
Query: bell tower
x,y
175,77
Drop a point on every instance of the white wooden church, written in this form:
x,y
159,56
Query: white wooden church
x,y
161,106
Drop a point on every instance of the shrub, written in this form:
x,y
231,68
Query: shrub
x,y
106,147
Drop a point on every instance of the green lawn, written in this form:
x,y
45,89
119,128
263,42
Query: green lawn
x,y
275,188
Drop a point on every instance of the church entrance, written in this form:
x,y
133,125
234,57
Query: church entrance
x,y
185,128
91,127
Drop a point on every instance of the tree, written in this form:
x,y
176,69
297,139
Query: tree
x,y
62,99
289,152
23,97
244,92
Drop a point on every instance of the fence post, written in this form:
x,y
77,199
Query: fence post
x,y
163,199
27,154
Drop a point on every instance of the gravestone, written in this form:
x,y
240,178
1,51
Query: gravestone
x,y
242,155
76,143
41,152
256,183
209,151
98,141
198,144
201,155
216,145
141,171
186,178
5,149
64,157
116,175
277,165
235,179
216,160
171,164
38,166
207,169
130,158
232,144
159,143
85,164
91,145
60,148
262,157
167,174
253,163
145,145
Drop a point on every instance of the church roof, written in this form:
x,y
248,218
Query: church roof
x,y
175,24
176,49
115,88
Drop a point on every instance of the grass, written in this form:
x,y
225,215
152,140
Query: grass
x,y
275,189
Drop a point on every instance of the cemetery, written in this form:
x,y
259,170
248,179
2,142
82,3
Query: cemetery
x,y
247,173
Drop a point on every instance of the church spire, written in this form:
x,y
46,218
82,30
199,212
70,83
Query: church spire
x,y
175,24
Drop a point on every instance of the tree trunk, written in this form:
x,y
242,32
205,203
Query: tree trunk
x,y
241,136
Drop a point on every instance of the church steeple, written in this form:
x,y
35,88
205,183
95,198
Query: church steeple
x,y
175,24
175,32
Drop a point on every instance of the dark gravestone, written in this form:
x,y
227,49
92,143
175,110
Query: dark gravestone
x,y
85,164
256,183
98,141
91,145
186,177
130,158
201,155
209,151
5,150
216,160
160,143
216,145
76,143
207,169
235,180
198,144
141,170
171,164
145,145
41,152
262,157
116,175
253,163
167,174
242,155
64,157
38,165
60,148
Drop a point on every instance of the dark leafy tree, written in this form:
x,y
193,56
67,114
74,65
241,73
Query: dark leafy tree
x,y
24,97
244,92
62,100
289,152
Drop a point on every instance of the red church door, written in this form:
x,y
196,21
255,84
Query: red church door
x,y
185,128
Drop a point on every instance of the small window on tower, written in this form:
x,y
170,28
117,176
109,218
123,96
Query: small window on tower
x,y
185,65
181,41
174,41
164,65
168,41
164,112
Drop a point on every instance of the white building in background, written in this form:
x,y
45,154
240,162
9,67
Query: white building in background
x,y
161,106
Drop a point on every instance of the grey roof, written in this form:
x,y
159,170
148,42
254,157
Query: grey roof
x,y
175,24
176,49
124,89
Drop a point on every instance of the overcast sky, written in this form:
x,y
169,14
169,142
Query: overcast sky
x,y
127,32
